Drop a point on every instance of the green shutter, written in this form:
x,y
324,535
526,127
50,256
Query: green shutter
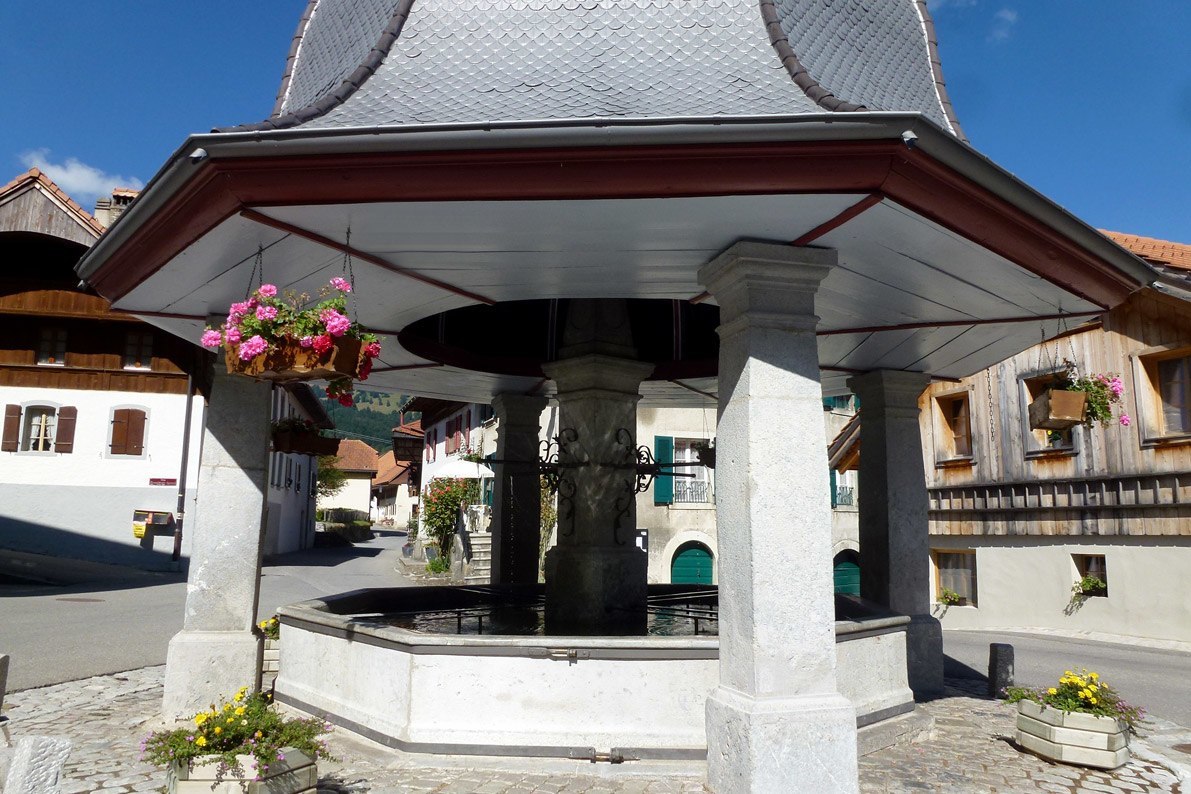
x,y
663,487
834,490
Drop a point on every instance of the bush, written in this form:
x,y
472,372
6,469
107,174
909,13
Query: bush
x,y
440,506
439,564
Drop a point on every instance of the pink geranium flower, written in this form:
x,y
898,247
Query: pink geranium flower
x,y
266,312
252,347
1125,420
267,291
337,324
211,339
322,344
306,341
372,349
233,336
341,284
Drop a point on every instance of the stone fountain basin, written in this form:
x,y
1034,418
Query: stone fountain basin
x,y
552,696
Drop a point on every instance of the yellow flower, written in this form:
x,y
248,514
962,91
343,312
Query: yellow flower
x,y
1068,672
239,711
230,720
1092,700
201,741
1093,676
258,734
218,730
200,718
1052,691
1093,687
227,706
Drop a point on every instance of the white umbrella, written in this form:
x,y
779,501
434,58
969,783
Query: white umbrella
x,y
462,469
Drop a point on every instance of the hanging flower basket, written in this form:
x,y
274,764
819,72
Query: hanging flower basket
x,y
1076,399
304,442
290,339
1058,409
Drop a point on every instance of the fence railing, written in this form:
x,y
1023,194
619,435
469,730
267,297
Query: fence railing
x,y
692,492
845,495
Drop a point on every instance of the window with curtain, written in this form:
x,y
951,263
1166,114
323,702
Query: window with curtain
x,y
957,572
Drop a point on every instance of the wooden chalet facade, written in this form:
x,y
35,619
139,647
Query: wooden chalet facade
x,y
1017,516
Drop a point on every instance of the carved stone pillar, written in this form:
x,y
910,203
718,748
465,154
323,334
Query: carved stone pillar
x,y
777,721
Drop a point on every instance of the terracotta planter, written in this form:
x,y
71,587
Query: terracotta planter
x,y
304,443
1058,409
1072,737
297,774
291,362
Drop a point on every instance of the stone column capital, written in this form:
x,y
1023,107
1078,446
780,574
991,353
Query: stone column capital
x,y
519,409
774,285
606,375
889,389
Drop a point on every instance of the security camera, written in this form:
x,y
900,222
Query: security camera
x,y
198,155
909,139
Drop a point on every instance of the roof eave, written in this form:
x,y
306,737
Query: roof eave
x,y
198,151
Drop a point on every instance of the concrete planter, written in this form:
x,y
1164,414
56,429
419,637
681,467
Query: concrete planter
x,y
297,774
1072,737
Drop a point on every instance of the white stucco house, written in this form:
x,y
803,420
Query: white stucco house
x,y
358,462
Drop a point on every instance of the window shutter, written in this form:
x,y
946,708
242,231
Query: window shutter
x,y
663,487
64,438
119,432
834,488
12,428
467,430
136,432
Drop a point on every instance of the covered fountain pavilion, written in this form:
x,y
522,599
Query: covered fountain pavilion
x,y
518,185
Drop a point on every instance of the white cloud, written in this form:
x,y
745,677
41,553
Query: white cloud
x,y
83,183
1003,22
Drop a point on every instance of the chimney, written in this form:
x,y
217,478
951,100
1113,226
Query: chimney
x,y
109,208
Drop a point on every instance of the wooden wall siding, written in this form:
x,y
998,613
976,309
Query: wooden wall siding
x,y
1111,485
17,298
91,380
1154,504
34,211
90,345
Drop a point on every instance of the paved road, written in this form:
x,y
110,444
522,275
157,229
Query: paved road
x,y
1159,680
56,634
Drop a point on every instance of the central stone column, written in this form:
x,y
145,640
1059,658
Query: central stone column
x,y
776,723
894,533
516,503
217,652
596,577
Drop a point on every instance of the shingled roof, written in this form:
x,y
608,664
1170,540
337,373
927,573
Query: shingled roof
x,y
1153,250
356,456
368,63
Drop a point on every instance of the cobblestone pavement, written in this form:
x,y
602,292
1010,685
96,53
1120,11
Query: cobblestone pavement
x,y
105,718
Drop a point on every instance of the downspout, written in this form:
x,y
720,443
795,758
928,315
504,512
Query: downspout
x,y
180,511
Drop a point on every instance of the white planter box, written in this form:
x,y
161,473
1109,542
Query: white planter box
x,y
272,657
297,774
1072,737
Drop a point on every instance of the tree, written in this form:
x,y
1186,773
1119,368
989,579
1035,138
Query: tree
x,y
331,478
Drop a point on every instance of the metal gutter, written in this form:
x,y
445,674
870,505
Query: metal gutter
x,y
915,129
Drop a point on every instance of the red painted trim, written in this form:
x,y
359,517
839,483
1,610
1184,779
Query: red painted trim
x,y
224,187
854,211
363,256
875,329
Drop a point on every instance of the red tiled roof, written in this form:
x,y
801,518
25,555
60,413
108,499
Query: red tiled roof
x,y
355,455
390,471
1161,251
412,429
36,175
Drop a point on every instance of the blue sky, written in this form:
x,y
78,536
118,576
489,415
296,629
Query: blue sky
x,y
1088,101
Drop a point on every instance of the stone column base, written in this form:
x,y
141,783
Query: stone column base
x,y
204,666
924,656
805,743
596,590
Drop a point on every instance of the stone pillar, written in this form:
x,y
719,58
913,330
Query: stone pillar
x,y
777,721
216,652
894,540
516,503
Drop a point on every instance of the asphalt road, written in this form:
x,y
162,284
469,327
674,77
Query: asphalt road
x,y
1158,680
56,634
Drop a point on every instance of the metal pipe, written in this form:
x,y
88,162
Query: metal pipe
x,y
180,511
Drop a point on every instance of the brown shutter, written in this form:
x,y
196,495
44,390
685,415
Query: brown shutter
x,y
12,428
120,431
136,431
64,437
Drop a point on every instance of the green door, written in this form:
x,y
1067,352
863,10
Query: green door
x,y
693,564
847,573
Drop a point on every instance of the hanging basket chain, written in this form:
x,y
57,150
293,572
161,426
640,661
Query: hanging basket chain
x,y
349,272
257,273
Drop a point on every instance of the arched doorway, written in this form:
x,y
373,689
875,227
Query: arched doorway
x,y
692,564
847,572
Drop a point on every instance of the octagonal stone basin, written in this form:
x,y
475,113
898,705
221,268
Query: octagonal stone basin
x,y
534,695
